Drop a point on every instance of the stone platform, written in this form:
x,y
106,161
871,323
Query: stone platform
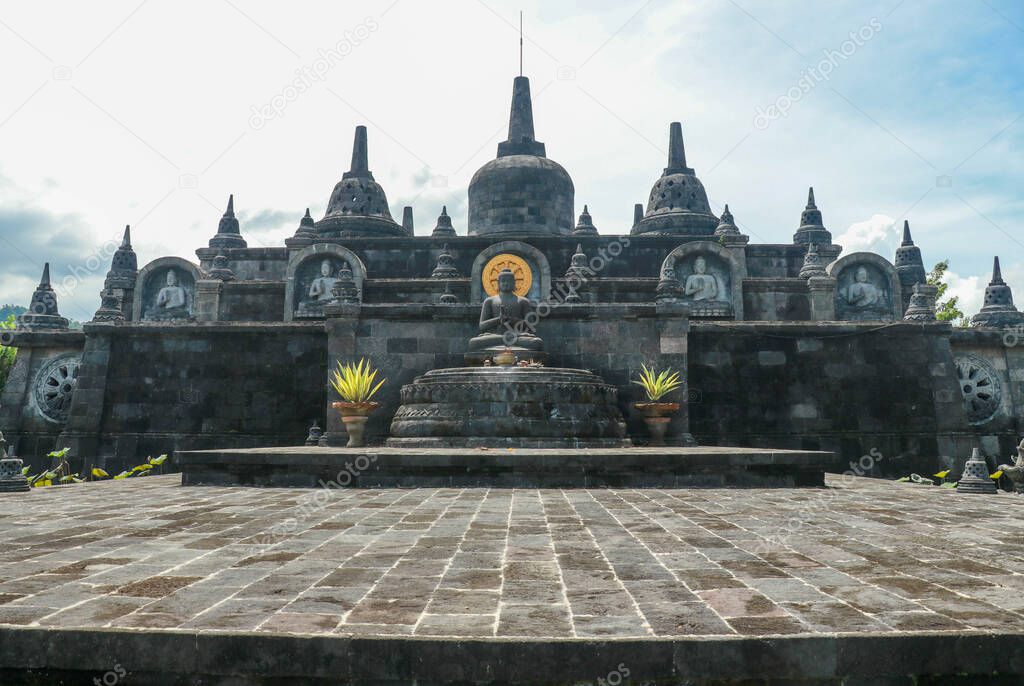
x,y
865,582
514,407
505,468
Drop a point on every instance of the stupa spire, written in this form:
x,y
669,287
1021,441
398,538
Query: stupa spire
x,y
228,233
812,228
997,273
676,151
230,211
126,240
521,139
42,311
998,310
360,166
909,264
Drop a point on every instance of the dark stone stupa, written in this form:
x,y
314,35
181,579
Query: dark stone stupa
x,y
42,311
228,233
998,311
678,204
812,228
521,192
358,205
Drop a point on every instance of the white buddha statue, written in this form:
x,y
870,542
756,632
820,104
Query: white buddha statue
x,y
322,287
172,296
862,293
700,285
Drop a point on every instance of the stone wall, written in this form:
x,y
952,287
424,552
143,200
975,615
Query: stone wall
x,y
848,388
405,341
145,390
30,431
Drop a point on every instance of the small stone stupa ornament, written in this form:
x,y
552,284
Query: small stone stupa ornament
x,y
124,266
345,289
585,225
444,228
11,478
306,229
110,307
228,233
922,303
448,298
727,225
909,264
998,311
315,433
221,270
812,229
975,478
42,311
814,263
445,268
576,275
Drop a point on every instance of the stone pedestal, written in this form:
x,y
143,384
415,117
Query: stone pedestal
x,y
514,407
823,298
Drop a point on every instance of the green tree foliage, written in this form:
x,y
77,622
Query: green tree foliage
x,y
6,354
946,309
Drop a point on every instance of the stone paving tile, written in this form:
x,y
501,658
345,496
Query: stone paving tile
x,y
862,556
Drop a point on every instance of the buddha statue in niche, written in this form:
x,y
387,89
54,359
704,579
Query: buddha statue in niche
x,y
862,293
503,320
171,300
321,289
700,285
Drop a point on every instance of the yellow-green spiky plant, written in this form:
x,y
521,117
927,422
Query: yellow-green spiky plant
x,y
658,384
354,383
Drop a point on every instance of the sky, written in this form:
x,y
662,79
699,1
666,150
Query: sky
x,y
150,113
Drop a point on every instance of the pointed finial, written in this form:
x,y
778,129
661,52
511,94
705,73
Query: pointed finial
x,y
230,211
997,273
810,198
676,150
307,215
521,139
638,213
45,281
126,240
726,214
444,210
907,240
360,154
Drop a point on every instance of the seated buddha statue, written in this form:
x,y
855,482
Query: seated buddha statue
x,y
503,320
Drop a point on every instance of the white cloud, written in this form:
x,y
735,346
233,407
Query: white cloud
x,y
879,234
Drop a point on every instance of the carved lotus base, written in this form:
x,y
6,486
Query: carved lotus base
x,y
526,407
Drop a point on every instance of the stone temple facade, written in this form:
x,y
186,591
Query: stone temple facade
x,y
792,345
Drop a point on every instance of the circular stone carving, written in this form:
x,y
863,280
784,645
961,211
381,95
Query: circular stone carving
x,y
54,385
518,266
980,386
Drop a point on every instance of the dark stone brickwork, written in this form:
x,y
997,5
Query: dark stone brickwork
x,y
612,341
850,389
252,301
146,390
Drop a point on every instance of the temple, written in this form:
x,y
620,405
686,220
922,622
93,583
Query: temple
x,y
792,345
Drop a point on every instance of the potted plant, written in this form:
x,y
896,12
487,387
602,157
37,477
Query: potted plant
x,y
656,413
354,383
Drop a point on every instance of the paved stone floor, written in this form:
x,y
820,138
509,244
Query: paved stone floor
x,y
861,556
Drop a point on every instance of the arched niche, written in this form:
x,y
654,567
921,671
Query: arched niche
x,y
867,288
165,290
306,277
541,270
706,276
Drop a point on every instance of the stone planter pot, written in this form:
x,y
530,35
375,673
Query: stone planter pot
x,y
354,416
657,417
